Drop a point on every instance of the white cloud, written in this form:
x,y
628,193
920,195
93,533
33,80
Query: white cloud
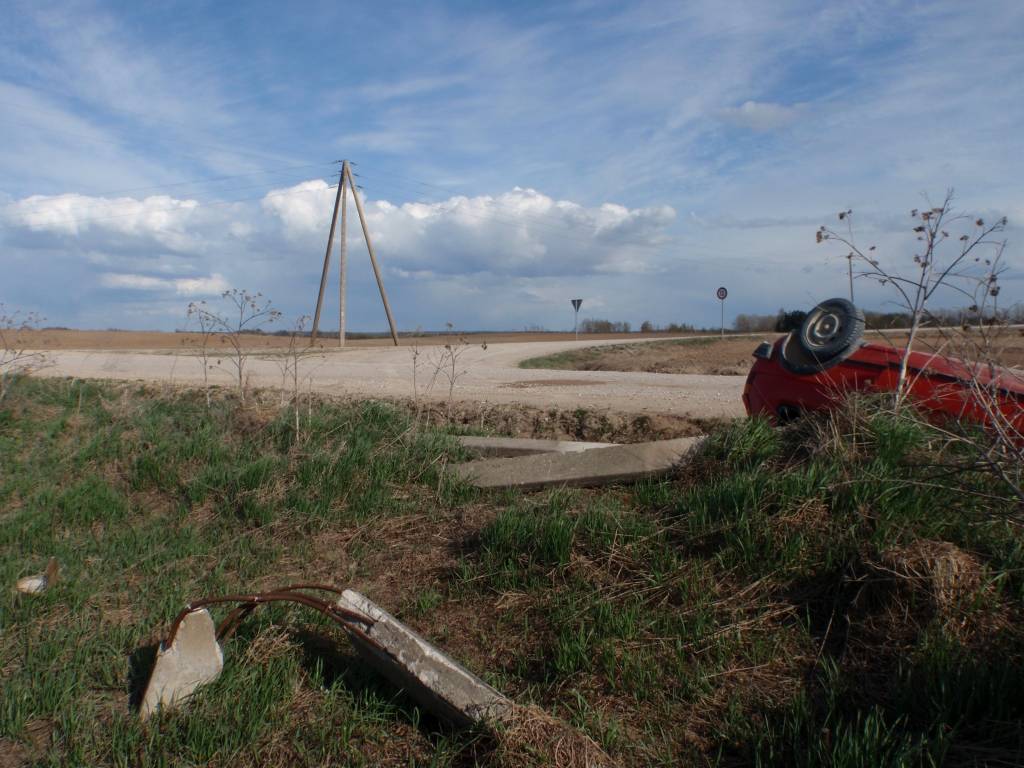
x,y
160,217
182,286
762,119
522,231
133,282
760,116
302,208
200,286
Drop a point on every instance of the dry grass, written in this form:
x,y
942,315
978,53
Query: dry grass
x,y
663,624
732,356
160,340
559,424
938,569
529,736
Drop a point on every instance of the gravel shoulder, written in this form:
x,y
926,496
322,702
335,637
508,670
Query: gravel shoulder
x,y
483,374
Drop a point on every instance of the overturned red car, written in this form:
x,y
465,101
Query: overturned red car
x,y
814,367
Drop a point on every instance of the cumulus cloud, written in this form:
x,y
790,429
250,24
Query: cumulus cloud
x,y
160,217
519,247
522,231
760,116
182,286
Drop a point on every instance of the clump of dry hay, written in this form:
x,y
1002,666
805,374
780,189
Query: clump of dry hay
x,y
529,736
943,572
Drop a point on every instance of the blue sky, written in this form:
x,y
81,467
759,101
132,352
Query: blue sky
x,y
512,155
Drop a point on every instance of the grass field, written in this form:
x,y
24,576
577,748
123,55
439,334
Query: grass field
x,y
716,356
832,594
67,338
709,355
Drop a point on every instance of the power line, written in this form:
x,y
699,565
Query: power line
x,y
415,181
540,222
563,229
212,179
89,220
522,220
49,114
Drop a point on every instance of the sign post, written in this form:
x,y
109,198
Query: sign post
x,y
721,293
576,317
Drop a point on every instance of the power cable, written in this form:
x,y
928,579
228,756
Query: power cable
x,y
213,179
89,220
563,229
184,128
454,191
521,220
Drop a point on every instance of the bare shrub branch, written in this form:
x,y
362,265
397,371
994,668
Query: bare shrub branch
x,y
244,313
15,358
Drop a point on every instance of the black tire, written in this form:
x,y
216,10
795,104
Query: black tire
x,y
829,334
831,329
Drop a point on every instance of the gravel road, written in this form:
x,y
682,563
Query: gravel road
x,y
486,375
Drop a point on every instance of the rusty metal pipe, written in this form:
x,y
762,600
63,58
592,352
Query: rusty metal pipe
x,y
350,621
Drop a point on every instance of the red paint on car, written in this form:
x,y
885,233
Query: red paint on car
x,y
941,385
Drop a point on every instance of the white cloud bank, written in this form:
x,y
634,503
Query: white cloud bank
x,y
163,218
520,232
508,260
456,253
183,286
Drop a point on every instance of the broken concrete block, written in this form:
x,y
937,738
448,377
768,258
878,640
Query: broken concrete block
x,y
436,681
193,659
33,585
519,446
616,464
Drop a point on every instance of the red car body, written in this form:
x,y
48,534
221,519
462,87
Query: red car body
x,y
943,386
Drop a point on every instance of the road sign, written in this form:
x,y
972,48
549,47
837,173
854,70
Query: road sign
x,y
721,293
576,304
576,316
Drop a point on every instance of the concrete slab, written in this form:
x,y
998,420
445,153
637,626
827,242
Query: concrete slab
x,y
435,680
192,660
617,464
522,446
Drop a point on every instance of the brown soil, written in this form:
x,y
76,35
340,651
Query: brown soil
x,y
703,356
552,383
733,355
160,340
562,424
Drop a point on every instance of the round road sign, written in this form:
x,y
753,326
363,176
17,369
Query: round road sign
x,y
721,293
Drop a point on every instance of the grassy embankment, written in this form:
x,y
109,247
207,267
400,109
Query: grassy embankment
x,y
586,358
830,594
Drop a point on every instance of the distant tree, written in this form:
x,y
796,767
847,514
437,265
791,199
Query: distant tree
x,y
595,325
745,323
789,321
646,327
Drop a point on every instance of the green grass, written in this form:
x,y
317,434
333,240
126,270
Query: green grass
x,y
109,482
583,359
745,611
636,595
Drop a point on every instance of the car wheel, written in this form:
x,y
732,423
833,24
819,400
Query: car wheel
x,y
829,334
831,328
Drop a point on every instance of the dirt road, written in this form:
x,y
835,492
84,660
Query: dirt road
x,y
482,375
